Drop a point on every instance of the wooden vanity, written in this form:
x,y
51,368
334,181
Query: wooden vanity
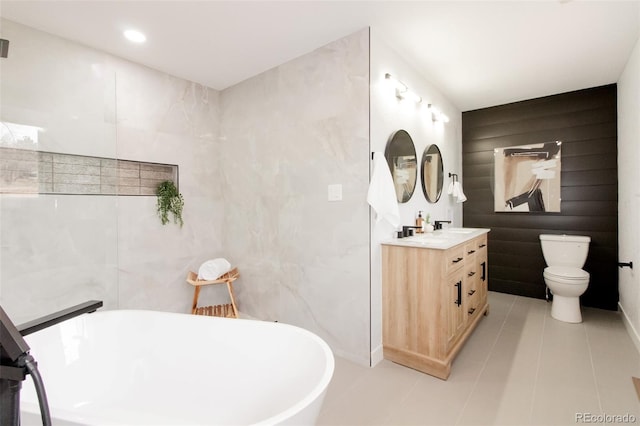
x,y
434,293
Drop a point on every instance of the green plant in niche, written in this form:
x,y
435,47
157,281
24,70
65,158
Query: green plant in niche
x,y
169,200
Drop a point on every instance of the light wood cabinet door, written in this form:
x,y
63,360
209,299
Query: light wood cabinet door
x,y
454,307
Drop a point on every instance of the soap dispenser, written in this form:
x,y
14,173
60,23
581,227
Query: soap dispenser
x,y
419,223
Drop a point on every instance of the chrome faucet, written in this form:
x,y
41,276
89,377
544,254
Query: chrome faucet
x,y
438,224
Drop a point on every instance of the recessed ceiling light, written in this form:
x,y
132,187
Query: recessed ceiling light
x,y
135,36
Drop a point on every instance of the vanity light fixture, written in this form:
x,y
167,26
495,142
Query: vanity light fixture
x,y
408,94
397,84
402,91
135,36
437,115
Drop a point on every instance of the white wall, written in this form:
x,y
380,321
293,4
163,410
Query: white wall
x,y
288,133
254,176
58,250
388,115
629,192
165,119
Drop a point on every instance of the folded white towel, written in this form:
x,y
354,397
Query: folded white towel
x,y
212,269
382,193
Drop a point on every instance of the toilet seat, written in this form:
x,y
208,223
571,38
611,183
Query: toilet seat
x,y
566,274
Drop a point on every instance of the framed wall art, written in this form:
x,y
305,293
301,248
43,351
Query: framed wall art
x,y
527,178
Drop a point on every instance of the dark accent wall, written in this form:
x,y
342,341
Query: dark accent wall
x,y
586,123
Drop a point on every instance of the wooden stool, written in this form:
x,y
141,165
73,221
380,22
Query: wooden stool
x,y
229,310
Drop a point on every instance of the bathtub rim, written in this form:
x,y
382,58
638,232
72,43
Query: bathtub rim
x,y
318,391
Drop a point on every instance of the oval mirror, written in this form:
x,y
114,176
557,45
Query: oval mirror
x,y
432,173
403,163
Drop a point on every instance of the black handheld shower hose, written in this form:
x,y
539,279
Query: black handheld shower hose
x,y
32,368
16,362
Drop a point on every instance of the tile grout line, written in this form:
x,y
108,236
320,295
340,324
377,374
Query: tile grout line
x,y
486,360
593,367
402,401
345,391
535,383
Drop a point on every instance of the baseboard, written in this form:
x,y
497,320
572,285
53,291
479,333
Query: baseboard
x,y
376,356
350,357
633,333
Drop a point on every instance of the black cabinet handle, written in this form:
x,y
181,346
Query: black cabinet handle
x,y
471,311
457,260
482,245
472,292
471,252
459,299
470,274
484,271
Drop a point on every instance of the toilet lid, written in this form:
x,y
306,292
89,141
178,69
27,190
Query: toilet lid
x,y
567,272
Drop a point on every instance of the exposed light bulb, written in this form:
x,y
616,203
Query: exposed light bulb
x,y
399,86
402,91
409,95
135,36
437,115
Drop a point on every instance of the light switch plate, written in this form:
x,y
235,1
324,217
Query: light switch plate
x,y
334,192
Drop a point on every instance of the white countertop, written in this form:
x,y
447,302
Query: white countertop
x,y
441,239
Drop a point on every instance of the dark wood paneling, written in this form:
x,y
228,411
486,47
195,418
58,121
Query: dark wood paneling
x,y
565,134
586,123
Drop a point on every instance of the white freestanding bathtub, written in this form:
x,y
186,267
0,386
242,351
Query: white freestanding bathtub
x,y
155,368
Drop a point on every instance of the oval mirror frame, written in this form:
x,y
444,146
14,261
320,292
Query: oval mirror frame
x,y
403,164
432,175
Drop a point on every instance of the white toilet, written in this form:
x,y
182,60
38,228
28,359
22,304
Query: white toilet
x,y
565,256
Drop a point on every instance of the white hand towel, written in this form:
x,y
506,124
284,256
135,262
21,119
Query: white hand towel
x,y
450,190
382,193
461,198
212,269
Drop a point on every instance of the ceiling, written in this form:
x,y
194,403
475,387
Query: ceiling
x,y
479,53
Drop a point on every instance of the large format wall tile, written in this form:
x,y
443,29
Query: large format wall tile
x,y
287,134
254,166
59,250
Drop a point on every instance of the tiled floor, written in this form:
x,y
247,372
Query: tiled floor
x,y
520,367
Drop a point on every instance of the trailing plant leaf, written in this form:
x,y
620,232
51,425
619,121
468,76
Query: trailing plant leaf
x,y
169,201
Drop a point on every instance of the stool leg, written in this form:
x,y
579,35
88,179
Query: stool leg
x,y
194,305
233,300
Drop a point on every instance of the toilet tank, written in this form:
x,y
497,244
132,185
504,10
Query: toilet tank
x,y
565,250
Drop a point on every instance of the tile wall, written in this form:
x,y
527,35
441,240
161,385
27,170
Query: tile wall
x,y
57,250
255,165
288,134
